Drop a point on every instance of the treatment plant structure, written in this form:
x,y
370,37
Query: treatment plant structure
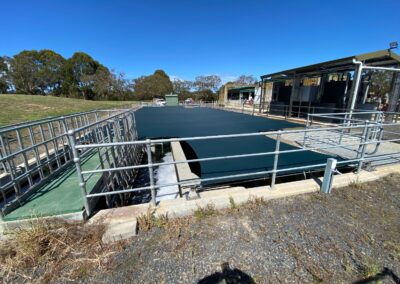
x,y
74,166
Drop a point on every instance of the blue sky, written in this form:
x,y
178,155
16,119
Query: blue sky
x,y
200,37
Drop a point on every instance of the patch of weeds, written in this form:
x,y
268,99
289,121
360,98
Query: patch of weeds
x,y
60,250
255,203
315,272
232,204
204,212
369,267
319,196
160,221
347,265
144,221
175,227
149,220
356,185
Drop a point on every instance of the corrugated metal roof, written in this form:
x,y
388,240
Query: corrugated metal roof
x,y
380,58
242,89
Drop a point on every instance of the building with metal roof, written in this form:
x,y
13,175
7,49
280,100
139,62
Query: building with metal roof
x,y
329,85
232,92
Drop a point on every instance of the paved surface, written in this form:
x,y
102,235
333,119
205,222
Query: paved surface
x,y
60,195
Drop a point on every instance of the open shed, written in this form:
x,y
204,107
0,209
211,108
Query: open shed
x,y
329,85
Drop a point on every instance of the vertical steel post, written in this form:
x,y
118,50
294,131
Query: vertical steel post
x,y
36,151
326,186
11,166
77,161
365,138
55,143
25,157
342,130
150,165
306,132
276,157
356,83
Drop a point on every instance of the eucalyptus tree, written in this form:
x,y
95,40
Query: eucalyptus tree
x,y
36,72
4,82
156,85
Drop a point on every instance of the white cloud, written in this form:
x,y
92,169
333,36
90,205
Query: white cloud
x,y
176,78
227,78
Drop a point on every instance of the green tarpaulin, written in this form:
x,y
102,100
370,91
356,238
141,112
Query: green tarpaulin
x,y
175,122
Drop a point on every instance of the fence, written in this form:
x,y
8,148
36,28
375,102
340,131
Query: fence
x,y
110,137
31,153
118,129
360,132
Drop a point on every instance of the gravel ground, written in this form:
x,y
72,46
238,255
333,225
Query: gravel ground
x,y
350,235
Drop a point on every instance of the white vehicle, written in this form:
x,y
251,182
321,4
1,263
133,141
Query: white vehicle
x,y
160,102
189,101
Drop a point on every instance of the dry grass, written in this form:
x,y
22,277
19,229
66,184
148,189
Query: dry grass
x,y
149,220
232,203
357,185
369,267
48,251
27,107
206,211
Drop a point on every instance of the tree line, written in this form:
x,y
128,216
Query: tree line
x,y
45,72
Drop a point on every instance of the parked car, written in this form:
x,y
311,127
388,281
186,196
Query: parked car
x,y
160,102
189,101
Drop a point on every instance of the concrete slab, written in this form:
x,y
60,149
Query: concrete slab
x,y
119,231
220,198
183,170
7,226
119,215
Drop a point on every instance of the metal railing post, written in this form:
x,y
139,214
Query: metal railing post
x,y
276,157
330,168
342,130
365,137
77,161
151,174
305,132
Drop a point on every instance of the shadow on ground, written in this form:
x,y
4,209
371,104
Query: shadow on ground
x,y
228,276
385,274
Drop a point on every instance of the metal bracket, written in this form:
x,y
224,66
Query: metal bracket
x,y
193,193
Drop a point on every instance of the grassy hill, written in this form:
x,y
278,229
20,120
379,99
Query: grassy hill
x,y
19,108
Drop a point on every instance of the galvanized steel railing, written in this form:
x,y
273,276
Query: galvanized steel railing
x,y
31,153
363,138
111,137
117,129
